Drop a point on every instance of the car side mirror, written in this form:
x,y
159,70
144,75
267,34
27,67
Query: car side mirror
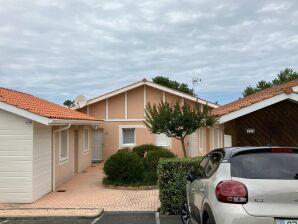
x,y
191,177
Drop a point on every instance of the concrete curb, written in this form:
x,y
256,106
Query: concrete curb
x,y
101,211
131,187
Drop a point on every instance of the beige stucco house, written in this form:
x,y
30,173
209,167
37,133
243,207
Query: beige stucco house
x,y
42,145
122,113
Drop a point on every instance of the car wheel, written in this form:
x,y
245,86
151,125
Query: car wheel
x,y
185,216
209,221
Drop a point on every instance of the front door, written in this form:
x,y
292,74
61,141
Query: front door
x,y
97,145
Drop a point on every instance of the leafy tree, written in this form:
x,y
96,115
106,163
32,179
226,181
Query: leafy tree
x,y
283,77
165,81
68,103
177,121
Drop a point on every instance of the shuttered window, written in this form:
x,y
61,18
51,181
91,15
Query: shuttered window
x,y
162,140
63,145
86,139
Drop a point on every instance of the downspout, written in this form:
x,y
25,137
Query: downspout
x,y
54,154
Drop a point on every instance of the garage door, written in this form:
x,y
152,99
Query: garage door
x,y
16,143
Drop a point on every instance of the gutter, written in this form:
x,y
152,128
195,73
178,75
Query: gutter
x,y
73,122
54,154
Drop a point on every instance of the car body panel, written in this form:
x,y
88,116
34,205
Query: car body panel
x,y
271,198
281,203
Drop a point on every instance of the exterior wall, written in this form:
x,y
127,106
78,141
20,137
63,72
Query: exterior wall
x,y
128,109
135,103
99,109
16,159
274,125
117,107
66,169
42,160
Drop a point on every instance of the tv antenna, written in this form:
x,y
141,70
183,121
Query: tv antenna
x,y
195,82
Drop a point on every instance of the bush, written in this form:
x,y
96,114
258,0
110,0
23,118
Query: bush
x,y
151,161
141,150
124,167
172,181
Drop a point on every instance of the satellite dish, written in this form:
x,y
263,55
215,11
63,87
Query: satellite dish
x,y
80,101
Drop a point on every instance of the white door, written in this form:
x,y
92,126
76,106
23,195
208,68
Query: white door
x,y
193,149
97,144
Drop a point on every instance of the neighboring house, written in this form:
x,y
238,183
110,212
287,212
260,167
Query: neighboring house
x,y
268,117
42,145
122,112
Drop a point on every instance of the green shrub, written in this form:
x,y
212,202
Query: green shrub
x,y
172,181
124,167
142,149
151,161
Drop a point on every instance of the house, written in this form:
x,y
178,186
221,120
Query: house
x,y
268,117
42,145
122,112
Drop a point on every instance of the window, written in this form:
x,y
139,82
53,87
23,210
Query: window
x,y
162,140
265,165
63,145
128,136
86,140
202,166
213,164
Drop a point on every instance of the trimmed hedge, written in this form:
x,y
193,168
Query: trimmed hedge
x,y
141,150
124,167
172,181
151,161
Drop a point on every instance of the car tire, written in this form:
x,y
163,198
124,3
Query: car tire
x,y
209,221
185,216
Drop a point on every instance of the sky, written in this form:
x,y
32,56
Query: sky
x,y
58,49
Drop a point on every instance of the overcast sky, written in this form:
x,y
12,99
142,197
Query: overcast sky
x,y
58,49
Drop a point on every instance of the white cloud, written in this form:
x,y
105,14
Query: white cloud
x,y
58,49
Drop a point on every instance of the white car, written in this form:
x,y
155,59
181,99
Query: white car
x,y
245,185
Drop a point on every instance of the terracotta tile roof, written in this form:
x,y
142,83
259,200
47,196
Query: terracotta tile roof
x,y
255,98
39,106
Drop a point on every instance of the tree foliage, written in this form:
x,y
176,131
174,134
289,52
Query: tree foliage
x,y
68,103
284,76
177,121
165,81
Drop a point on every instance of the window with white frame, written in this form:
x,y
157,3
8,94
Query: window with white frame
x,y
63,145
128,136
162,140
86,140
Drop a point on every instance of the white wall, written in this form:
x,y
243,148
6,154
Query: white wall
x,y
42,160
16,143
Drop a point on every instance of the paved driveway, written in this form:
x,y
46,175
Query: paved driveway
x,y
86,190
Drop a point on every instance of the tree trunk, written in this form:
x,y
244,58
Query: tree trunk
x,y
183,147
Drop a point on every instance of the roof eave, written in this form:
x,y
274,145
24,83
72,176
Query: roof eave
x,y
74,122
154,85
257,106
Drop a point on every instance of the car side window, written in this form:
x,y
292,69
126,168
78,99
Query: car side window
x,y
202,166
213,164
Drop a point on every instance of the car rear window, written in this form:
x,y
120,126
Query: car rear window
x,y
266,165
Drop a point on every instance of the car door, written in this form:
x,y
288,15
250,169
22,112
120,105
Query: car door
x,y
199,187
193,186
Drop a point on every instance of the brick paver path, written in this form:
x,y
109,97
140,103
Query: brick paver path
x,y
86,190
